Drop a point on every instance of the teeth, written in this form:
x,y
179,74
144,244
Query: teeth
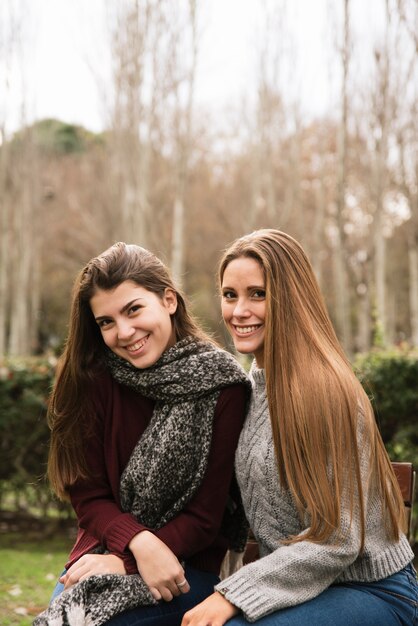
x,y
245,330
137,345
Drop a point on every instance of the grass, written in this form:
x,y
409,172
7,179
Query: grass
x,y
30,568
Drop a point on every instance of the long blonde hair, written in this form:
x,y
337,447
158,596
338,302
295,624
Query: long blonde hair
x,y
70,414
317,405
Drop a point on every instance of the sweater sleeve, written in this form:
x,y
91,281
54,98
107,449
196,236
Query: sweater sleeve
x,y
198,524
292,574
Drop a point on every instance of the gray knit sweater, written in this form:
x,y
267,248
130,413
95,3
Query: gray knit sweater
x,y
288,575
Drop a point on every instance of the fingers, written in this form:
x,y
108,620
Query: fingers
x,y
74,574
169,589
155,593
166,594
183,586
90,565
158,566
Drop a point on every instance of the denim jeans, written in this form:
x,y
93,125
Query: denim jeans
x,y
164,613
59,588
392,601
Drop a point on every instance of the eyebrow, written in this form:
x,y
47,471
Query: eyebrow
x,y
123,309
248,288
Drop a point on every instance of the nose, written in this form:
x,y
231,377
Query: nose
x,y
125,329
241,308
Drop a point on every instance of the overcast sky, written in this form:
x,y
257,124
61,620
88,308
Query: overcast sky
x,y
66,56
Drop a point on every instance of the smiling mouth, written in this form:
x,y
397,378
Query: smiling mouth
x,y
138,345
246,330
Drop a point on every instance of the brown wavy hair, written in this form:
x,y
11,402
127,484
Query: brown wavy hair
x,y
317,406
70,413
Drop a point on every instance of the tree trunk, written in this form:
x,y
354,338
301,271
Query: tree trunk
x,y
23,319
413,285
184,138
381,133
342,301
4,248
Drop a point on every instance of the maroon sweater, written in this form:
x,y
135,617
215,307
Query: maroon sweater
x,y
193,535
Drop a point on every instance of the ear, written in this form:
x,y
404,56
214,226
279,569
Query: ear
x,y
170,300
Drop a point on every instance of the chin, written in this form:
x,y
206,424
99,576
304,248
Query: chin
x,y
244,349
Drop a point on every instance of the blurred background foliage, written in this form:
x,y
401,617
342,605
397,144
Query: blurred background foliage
x,y
389,377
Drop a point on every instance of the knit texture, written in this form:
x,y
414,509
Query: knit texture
x,y
288,575
165,469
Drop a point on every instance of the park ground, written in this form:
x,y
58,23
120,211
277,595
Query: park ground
x,y
30,565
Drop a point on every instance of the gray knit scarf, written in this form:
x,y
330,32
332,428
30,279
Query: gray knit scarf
x,y
165,469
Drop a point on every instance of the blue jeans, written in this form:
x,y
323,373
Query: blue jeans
x,y
59,588
392,601
164,613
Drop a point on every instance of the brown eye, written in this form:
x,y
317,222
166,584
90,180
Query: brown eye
x,y
104,323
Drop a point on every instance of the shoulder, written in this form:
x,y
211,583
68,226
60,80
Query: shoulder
x,y
232,404
234,393
100,387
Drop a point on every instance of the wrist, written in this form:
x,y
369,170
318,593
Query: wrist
x,y
228,606
138,539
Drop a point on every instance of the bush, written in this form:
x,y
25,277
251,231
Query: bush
x,y
24,388
390,377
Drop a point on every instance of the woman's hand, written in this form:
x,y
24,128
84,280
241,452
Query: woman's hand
x,y
159,567
214,611
90,565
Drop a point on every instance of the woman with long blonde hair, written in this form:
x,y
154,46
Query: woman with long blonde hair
x,y
317,484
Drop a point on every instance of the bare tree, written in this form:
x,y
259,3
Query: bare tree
x,y
407,175
9,36
183,118
19,290
130,144
25,251
269,128
343,312
5,235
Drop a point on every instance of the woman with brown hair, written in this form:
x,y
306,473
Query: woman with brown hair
x,y
145,416
317,485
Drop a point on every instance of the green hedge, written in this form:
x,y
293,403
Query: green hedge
x,y
24,388
390,378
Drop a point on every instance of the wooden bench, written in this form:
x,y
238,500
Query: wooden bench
x,y
405,474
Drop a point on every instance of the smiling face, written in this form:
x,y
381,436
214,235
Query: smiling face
x,y
244,306
135,323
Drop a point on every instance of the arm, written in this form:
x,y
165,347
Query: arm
x,y
191,531
286,577
120,418
292,574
